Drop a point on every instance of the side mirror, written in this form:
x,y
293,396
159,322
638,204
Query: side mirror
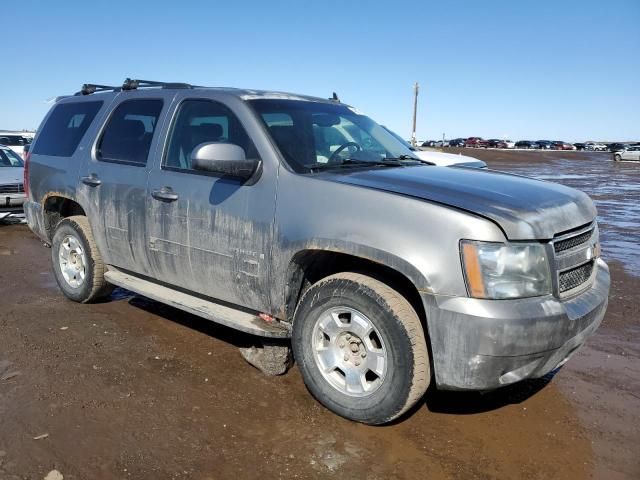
x,y
223,158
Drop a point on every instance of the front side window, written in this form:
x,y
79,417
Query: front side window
x,y
203,121
8,158
65,127
129,132
315,135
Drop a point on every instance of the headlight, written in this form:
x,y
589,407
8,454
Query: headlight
x,y
499,270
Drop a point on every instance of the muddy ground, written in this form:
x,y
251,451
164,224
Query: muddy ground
x,y
129,388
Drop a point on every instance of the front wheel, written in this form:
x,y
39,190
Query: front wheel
x,y
617,157
77,263
361,348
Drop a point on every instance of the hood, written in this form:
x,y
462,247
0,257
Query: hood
x,y
524,208
11,175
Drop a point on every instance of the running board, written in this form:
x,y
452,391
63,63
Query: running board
x,y
230,317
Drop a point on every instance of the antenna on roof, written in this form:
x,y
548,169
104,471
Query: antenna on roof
x,y
335,98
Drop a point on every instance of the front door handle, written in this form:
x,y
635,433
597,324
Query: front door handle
x,y
91,180
165,194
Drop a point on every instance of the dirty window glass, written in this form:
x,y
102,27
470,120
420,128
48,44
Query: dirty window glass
x,y
202,121
312,135
65,127
128,135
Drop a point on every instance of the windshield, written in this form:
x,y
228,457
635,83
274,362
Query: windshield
x,y
315,135
8,158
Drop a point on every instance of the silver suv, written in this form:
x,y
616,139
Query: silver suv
x,y
287,216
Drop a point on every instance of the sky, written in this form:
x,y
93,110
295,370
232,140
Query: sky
x,y
545,69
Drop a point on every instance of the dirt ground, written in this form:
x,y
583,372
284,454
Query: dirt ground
x,y
129,388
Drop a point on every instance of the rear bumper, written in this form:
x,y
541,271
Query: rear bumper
x,y
35,219
486,344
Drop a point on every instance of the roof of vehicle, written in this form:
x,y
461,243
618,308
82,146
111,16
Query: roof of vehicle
x,y
88,90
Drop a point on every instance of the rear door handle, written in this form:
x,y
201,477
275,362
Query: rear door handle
x,y
91,180
165,194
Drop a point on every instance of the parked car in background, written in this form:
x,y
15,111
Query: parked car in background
x,y
526,144
545,144
12,194
595,147
560,145
496,143
428,143
14,141
457,142
630,153
617,147
386,273
579,146
441,143
509,143
475,142
439,158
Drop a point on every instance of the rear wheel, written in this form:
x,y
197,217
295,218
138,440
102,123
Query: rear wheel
x,y
77,263
361,348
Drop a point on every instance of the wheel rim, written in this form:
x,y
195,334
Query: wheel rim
x,y
349,352
73,261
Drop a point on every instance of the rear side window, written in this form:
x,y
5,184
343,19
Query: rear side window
x,y
128,134
65,127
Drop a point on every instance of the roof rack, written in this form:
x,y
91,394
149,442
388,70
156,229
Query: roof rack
x,y
130,84
89,88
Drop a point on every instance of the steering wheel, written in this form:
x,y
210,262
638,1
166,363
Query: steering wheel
x,y
341,148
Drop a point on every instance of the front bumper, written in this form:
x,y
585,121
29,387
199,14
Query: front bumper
x,y
11,204
485,344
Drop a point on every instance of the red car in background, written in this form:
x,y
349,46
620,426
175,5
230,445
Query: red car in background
x,y
476,142
558,145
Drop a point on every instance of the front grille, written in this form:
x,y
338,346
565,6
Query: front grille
x,y
572,242
15,188
575,277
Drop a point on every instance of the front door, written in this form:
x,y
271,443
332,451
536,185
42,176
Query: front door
x,y
114,181
209,234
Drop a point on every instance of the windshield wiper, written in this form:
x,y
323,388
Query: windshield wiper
x,y
351,162
405,157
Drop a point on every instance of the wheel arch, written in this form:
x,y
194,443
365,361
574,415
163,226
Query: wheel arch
x,y
57,206
308,266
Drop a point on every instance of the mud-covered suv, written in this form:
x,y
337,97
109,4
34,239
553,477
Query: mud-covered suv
x,y
289,216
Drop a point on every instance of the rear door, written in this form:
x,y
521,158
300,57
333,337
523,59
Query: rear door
x,y
113,183
210,234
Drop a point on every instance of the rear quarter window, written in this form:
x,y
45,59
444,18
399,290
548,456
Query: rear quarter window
x,y
65,127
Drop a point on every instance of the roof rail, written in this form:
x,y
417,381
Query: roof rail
x,y
89,88
133,84
129,84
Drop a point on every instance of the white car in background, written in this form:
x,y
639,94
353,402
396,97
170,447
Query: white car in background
x,y
442,159
16,140
629,153
12,194
595,147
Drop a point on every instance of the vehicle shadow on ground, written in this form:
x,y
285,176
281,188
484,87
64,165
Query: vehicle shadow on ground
x,y
468,403
202,325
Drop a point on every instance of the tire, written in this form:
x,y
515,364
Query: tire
x,y
344,302
617,158
73,246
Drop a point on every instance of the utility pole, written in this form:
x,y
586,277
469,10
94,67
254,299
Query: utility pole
x,y
416,87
